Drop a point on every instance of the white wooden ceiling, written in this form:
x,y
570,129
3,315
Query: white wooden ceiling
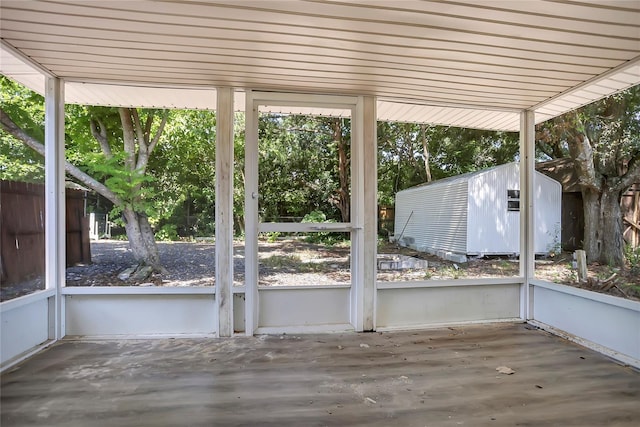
x,y
474,64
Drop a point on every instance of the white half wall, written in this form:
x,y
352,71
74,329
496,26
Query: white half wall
x,y
301,309
605,323
25,324
140,315
432,305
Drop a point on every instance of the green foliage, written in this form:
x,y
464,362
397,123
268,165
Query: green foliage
x,y
452,151
291,263
273,236
168,232
612,126
129,185
633,258
184,171
17,161
316,216
298,166
323,237
555,247
24,106
453,271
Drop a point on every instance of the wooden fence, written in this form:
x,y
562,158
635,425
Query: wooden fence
x,y
630,205
22,224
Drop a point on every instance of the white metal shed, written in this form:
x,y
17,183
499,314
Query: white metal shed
x,y
477,213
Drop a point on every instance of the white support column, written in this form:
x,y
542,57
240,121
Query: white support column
x,y
527,224
55,251
370,183
251,215
357,216
224,210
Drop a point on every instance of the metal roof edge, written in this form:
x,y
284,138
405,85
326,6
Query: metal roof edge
x,y
586,84
454,178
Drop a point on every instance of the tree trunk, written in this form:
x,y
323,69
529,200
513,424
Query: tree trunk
x,y
141,239
139,232
344,201
425,149
603,226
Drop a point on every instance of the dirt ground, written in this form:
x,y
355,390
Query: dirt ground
x,y
296,262
619,282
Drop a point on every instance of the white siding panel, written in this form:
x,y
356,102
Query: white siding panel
x,y
24,325
421,307
118,315
283,307
491,228
439,218
548,213
600,320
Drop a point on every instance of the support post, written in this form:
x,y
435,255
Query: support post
x,y
251,215
370,184
527,213
357,216
224,210
55,251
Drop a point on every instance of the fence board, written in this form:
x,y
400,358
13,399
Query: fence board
x,y
631,213
22,219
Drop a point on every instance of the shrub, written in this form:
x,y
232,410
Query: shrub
x,y
324,237
273,236
633,258
167,232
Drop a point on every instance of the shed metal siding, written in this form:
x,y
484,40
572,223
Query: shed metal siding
x,y
491,228
468,214
548,213
439,219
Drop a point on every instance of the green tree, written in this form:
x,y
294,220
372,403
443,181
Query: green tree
x,y
183,168
303,166
603,140
411,154
116,167
17,161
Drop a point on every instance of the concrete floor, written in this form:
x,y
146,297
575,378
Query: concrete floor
x,y
444,377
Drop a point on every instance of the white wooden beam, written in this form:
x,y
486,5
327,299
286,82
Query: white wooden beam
x,y
303,227
224,211
55,197
370,231
303,100
527,225
357,216
251,214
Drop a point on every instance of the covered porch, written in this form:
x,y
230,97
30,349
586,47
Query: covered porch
x,y
499,66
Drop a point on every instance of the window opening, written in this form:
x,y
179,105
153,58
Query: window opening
x,y
513,200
